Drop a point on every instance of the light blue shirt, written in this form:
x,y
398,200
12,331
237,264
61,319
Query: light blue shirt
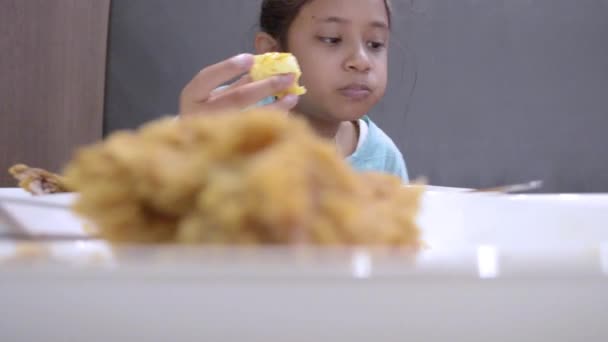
x,y
378,153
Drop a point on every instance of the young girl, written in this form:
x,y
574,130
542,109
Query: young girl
x,y
341,46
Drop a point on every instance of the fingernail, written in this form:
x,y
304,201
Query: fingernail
x,y
286,80
290,100
244,60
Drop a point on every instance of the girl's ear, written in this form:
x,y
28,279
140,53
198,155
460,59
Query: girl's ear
x,y
265,43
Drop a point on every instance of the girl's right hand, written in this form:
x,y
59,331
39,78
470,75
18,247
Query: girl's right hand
x,y
202,93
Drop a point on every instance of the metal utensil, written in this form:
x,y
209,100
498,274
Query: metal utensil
x,y
513,188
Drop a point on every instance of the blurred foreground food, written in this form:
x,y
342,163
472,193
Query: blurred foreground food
x,y
256,177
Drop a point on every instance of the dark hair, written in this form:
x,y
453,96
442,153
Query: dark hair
x,y
276,17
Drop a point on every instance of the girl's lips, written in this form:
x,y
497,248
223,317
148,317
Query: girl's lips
x,y
355,92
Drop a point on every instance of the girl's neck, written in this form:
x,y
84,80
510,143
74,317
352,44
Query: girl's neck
x,y
325,128
344,134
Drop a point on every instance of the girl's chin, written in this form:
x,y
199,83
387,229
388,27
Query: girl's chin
x,y
336,112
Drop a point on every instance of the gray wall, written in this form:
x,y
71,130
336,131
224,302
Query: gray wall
x,y
482,92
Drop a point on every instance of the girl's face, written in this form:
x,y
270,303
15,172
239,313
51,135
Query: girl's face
x,y
341,46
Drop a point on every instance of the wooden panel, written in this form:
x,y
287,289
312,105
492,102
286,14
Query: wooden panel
x,y
52,79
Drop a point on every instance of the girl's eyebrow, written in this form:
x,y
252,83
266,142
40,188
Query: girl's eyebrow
x,y
340,20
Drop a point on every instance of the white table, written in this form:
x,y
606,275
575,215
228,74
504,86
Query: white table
x,y
515,268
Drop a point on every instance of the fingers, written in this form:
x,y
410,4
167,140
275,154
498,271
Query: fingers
x,y
241,81
251,93
202,93
285,104
201,86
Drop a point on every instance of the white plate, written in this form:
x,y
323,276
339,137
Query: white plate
x,y
39,215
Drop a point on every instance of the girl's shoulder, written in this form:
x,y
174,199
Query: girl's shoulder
x,y
377,144
378,152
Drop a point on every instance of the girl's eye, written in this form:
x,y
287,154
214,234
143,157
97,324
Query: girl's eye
x,y
375,45
330,40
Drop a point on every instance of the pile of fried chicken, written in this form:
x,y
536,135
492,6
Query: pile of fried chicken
x,y
255,177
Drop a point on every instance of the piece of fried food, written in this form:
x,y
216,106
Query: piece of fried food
x,y
38,181
275,63
257,177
